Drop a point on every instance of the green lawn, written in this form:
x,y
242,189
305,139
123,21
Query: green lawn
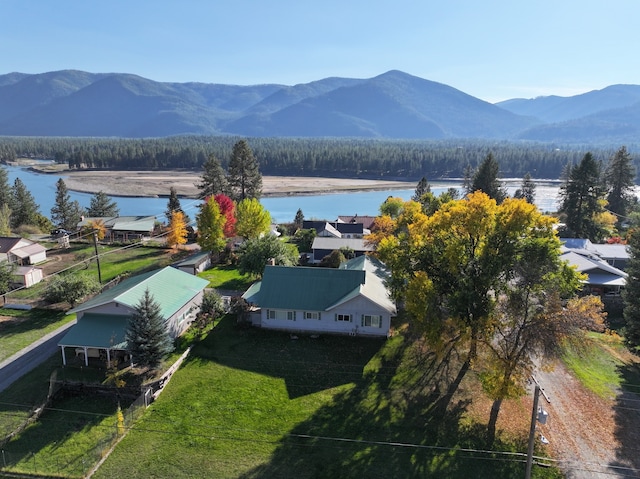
x,y
257,404
25,327
599,364
227,277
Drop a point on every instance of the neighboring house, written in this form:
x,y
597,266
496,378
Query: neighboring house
x,y
21,251
102,321
335,229
602,278
615,254
124,228
195,263
352,299
322,246
365,221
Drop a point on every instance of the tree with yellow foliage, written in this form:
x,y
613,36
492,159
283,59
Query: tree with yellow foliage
x,y
177,234
453,267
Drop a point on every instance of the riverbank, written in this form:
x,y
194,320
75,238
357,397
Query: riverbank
x,y
158,183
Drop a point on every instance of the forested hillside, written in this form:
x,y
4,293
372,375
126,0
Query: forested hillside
x,y
307,157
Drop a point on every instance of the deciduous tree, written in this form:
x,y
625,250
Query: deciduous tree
x,y
5,220
228,210
244,175
177,234
211,227
70,288
255,253
147,338
252,219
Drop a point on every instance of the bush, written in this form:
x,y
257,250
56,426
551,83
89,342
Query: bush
x,y
70,288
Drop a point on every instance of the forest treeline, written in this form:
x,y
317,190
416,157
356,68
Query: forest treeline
x,y
391,159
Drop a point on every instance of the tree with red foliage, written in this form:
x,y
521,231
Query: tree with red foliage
x,y
228,210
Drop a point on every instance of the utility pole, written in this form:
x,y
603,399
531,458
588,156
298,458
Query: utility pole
x,y
535,416
95,246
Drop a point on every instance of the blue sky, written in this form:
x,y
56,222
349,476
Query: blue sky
x,y
493,49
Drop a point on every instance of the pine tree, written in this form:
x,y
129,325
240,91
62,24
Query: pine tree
x,y
582,200
147,337
422,187
173,205
299,219
486,180
631,292
619,177
214,178
24,210
5,189
101,206
244,177
65,213
527,190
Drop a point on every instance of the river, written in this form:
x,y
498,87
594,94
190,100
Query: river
x,y
282,209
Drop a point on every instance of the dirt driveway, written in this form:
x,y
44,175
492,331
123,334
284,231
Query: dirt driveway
x,y
593,437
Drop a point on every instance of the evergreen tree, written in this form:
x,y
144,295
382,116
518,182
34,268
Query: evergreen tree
x,y
65,213
244,177
631,292
422,188
101,206
467,179
619,177
6,276
485,179
147,337
24,210
173,205
214,178
5,220
527,190
5,189
299,219
582,198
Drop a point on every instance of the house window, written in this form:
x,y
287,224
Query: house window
x,y
280,314
343,317
311,315
372,320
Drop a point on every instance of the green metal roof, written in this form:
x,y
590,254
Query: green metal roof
x,y
97,331
170,288
321,289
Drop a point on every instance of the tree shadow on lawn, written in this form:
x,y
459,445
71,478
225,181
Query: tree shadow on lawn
x,y
307,365
385,428
394,422
34,319
627,419
61,421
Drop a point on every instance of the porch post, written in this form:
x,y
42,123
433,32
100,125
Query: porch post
x,y
64,357
108,358
86,356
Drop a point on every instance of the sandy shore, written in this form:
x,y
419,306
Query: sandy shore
x,y
158,183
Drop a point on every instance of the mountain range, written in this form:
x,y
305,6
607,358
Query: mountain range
x,y
393,105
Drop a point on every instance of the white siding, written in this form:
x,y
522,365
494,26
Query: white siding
x,y
328,323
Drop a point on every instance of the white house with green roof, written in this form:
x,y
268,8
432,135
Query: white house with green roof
x,y
102,321
352,299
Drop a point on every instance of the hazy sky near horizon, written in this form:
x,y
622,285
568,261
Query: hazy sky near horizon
x,y
493,50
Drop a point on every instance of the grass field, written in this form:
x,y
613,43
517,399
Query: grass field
x,y
227,278
21,328
256,404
